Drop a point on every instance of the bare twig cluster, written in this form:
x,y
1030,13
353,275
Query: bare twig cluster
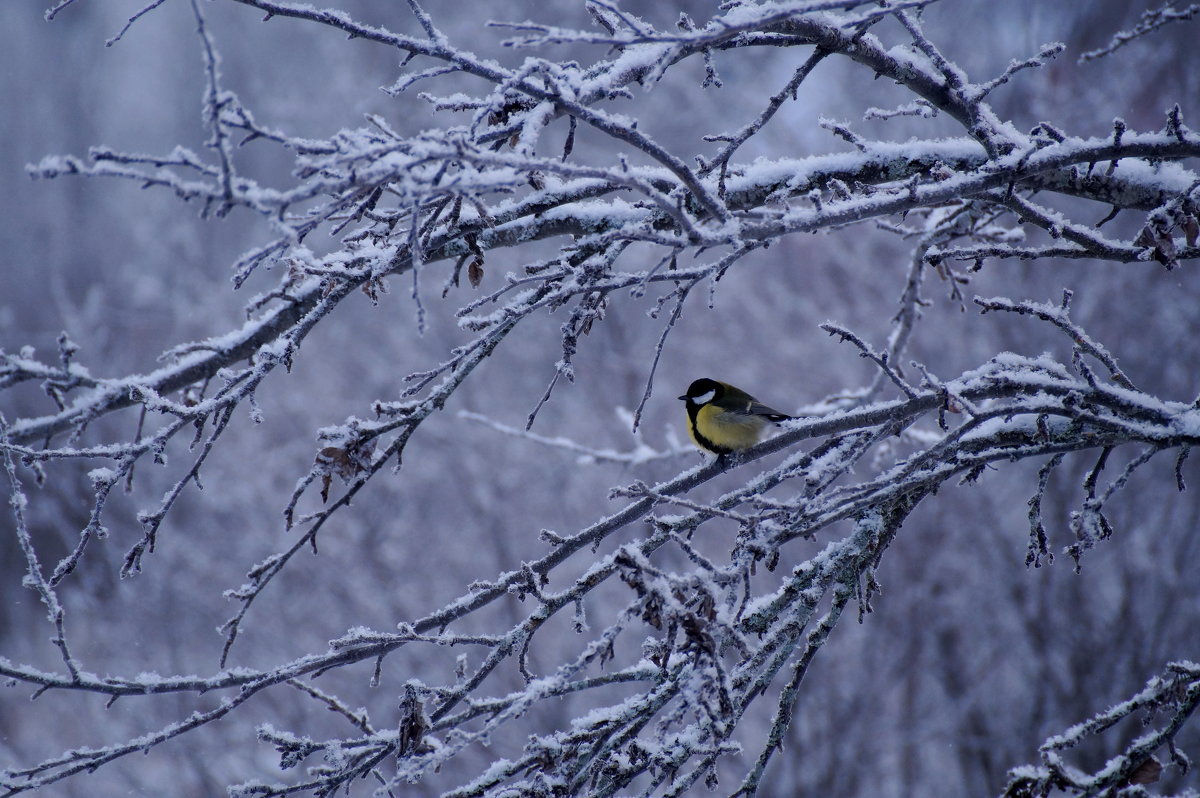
x,y
719,635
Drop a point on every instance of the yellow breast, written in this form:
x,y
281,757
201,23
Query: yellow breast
x,y
718,431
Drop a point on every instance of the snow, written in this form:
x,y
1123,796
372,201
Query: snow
x,y
447,551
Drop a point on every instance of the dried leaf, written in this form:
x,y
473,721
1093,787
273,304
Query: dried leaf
x,y
374,287
475,271
347,462
414,725
1147,773
1161,243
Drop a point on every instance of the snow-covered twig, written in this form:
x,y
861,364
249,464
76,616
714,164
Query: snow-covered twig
x,y
641,454
1173,695
1152,19
716,633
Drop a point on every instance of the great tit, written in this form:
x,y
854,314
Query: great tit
x,y
723,419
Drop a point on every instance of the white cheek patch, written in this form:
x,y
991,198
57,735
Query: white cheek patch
x,y
704,398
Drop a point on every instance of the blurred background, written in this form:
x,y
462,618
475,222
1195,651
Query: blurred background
x,y
970,659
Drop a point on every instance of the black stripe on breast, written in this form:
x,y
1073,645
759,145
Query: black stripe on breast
x,y
699,436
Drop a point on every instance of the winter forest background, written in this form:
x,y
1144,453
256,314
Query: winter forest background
x,y
246,286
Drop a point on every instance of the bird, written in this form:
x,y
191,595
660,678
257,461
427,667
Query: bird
x,y
723,419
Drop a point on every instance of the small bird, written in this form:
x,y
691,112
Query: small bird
x,y
723,419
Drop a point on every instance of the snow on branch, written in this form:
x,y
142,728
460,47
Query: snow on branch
x,y
1151,20
1024,408
681,652
1167,701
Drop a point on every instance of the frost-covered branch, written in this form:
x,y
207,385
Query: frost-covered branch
x,y
705,618
1152,19
1167,701
700,602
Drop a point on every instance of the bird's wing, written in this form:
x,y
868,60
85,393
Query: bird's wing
x,y
757,408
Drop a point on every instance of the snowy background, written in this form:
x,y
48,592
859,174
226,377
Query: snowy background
x,y
969,660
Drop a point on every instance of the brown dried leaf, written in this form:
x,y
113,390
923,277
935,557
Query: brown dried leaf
x,y
1161,242
334,456
347,462
374,287
1147,773
475,271
413,725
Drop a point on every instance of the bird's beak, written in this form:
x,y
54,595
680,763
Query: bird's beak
x,y
684,397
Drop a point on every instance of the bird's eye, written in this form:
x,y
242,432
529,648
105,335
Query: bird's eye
x,y
704,398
